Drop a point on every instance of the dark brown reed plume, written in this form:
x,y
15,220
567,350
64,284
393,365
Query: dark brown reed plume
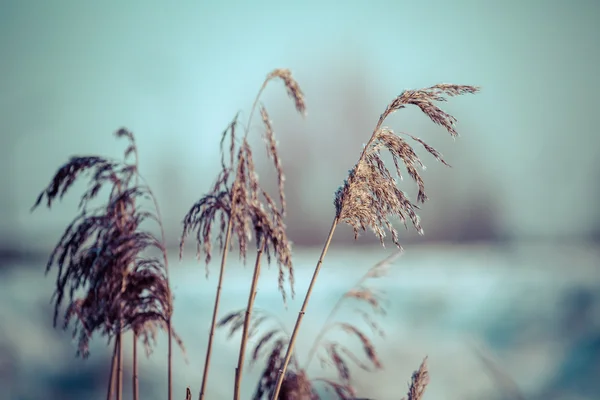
x,y
333,354
271,344
418,383
235,203
111,285
370,196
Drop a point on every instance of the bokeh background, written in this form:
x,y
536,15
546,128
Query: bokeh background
x,y
502,290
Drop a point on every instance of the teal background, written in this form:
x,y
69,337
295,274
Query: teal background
x,y
509,260
73,72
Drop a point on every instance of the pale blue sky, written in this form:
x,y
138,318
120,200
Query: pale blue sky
x,y
175,73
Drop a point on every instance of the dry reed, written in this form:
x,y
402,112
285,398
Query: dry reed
x,y
418,383
370,195
111,285
244,210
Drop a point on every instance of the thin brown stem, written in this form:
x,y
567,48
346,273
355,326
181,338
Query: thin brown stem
x,y
170,315
111,380
363,153
120,339
120,364
247,319
327,324
121,222
170,356
216,308
135,380
254,104
290,349
136,388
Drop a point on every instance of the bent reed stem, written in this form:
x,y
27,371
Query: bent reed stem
x,y
288,353
216,308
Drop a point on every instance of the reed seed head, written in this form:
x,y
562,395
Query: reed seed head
x,y
292,87
111,283
370,195
237,199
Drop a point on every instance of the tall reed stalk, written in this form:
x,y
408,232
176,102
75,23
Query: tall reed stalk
x,y
370,196
238,201
112,286
135,381
111,378
247,319
215,312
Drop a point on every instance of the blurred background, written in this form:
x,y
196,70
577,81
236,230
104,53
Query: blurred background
x,y
502,290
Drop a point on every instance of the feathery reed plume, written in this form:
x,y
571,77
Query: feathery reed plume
x,y
235,202
335,355
419,381
369,196
111,285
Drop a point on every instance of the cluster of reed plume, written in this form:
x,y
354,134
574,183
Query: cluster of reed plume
x,y
114,274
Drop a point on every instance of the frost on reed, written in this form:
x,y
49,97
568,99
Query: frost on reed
x,y
271,344
242,209
370,196
111,283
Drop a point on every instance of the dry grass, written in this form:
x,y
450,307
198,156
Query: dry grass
x,y
245,211
271,343
112,285
370,195
113,274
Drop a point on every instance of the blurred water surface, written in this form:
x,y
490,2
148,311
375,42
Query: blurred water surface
x,y
486,316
